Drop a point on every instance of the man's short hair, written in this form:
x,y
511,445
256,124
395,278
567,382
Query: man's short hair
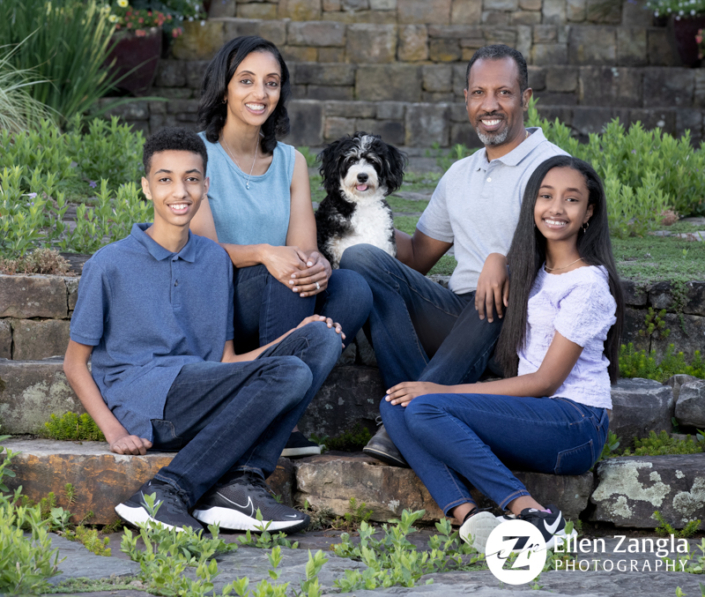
x,y
173,139
497,52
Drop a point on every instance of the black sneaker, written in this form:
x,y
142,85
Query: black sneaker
x,y
235,506
551,524
172,512
299,445
382,448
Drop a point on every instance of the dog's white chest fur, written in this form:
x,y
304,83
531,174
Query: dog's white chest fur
x,y
371,223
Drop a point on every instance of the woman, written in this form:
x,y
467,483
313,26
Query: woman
x,y
559,347
259,206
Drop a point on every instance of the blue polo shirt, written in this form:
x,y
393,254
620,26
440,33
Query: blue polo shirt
x,y
148,312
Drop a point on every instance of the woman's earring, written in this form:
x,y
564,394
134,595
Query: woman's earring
x,y
586,226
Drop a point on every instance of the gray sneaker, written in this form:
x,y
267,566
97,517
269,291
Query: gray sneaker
x,y
382,448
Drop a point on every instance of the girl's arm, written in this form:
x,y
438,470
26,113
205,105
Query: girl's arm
x,y
555,368
81,380
281,262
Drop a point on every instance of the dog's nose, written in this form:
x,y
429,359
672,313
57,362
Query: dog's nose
x,y
362,177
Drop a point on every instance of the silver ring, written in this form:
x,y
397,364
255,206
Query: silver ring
x,y
318,286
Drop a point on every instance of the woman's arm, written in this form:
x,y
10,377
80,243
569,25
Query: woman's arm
x,y
281,262
81,380
559,361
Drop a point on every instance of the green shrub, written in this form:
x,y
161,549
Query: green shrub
x,y
66,44
636,363
348,441
73,427
665,530
663,444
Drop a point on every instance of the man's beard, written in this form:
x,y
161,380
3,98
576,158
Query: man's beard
x,y
495,139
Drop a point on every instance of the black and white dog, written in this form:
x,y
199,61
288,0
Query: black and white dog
x,y
358,173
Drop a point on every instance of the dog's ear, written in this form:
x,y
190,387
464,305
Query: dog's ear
x,y
331,158
396,162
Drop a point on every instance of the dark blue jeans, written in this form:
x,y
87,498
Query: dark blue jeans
x,y
265,308
228,417
421,331
450,437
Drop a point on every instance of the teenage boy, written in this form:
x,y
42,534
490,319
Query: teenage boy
x,y
155,311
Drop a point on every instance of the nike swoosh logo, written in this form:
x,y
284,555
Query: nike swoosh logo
x,y
291,515
552,528
249,503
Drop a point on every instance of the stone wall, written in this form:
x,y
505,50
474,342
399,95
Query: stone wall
x,y
35,312
402,63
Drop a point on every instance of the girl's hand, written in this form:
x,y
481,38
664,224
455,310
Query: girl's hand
x,y
405,392
329,322
281,262
317,270
130,444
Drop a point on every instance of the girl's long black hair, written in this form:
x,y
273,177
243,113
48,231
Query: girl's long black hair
x,y
528,252
212,110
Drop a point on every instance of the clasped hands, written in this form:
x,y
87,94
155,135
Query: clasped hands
x,y
305,275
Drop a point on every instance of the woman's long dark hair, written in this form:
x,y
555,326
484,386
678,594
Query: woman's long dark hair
x,y
212,111
528,252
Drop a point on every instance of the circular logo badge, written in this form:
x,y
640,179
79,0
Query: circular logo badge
x,y
522,538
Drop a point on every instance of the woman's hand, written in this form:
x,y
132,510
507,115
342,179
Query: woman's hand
x,y
405,392
314,277
329,322
282,262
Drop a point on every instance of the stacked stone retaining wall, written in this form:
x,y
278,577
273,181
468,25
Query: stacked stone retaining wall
x,y
397,67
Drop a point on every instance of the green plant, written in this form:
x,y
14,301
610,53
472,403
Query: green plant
x,y
655,324
394,560
693,563
637,363
446,159
666,530
18,109
173,12
662,444
90,539
310,157
39,261
610,448
73,427
352,440
353,518
676,8
67,45
264,539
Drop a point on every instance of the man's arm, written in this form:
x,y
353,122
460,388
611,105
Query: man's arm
x,y
81,380
419,252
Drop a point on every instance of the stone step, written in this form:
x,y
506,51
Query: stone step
x,y
624,491
31,391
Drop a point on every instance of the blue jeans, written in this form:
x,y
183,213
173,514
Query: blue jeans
x,y
421,331
450,437
265,308
229,417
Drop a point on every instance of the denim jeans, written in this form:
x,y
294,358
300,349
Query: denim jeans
x,y
450,437
228,417
265,308
421,331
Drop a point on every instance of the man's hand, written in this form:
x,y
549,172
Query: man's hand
x,y
405,392
492,287
317,270
130,444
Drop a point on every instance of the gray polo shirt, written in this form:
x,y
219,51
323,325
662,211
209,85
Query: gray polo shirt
x,y
148,312
476,205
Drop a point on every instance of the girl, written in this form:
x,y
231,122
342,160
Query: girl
x,y
558,347
259,206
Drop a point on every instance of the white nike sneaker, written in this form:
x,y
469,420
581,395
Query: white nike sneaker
x,y
235,506
477,528
551,524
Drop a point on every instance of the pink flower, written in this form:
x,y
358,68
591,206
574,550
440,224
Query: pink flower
x,y
176,32
140,32
140,20
699,39
129,25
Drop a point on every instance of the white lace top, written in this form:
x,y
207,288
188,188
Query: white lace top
x,y
580,306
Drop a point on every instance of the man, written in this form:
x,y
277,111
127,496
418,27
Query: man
x,y
155,311
421,331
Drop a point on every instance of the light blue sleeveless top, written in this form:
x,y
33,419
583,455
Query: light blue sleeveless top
x,y
256,215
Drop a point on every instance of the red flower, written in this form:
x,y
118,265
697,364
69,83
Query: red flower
x,y
141,20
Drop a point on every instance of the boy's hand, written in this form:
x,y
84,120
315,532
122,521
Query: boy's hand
x,y
405,392
492,287
130,444
329,322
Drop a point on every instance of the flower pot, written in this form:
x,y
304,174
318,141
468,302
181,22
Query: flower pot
x,y
136,57
685,30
